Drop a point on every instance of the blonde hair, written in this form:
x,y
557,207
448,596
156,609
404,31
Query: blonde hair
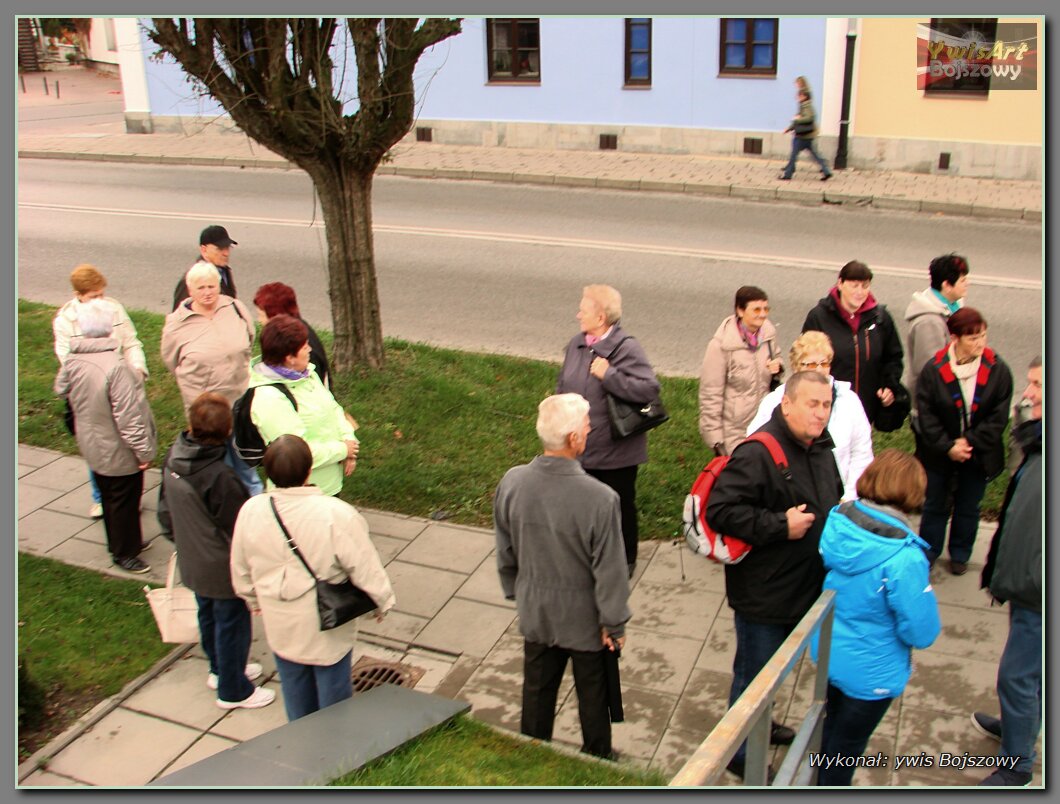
x,y
810,342
200,271
609,300
558,416
86,278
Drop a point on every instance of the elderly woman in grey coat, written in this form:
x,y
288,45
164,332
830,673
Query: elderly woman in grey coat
x,y
115,429
600,360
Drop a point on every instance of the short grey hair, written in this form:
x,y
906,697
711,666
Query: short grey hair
x,y
791,387
95,319
558,416
609,300
200,271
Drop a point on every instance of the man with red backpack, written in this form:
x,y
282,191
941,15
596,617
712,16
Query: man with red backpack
x,y
781,516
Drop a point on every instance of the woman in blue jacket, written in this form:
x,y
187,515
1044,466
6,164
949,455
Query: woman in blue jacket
x,y
884,605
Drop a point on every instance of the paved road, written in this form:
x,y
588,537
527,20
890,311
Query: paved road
x,y
498,268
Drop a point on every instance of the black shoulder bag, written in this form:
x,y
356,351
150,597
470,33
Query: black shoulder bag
x,y
337,603
629,418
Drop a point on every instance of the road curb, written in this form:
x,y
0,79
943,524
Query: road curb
x,y
753,192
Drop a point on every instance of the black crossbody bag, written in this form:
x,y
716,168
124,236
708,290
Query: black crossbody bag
x,y
337,603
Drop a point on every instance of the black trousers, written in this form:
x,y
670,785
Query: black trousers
x,y
543,668
121,513
624,481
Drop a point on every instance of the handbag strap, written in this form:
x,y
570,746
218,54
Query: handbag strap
x,y
290,541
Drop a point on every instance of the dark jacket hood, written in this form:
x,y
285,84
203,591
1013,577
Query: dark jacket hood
x,y
189,456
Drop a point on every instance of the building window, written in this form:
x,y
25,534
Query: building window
x,y
953,68
638,52
514,48
748,46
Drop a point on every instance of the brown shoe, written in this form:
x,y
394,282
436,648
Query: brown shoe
x,y
958,567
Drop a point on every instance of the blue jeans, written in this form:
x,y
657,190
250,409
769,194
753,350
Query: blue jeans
x,y
848,724
248,475
799,144
224,624
968,481
96,496
1019,686
309,687
755,645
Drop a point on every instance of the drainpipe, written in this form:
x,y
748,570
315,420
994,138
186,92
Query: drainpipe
x,y
848,80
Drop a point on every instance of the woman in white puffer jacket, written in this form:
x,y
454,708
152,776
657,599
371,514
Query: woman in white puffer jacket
x,y
848,426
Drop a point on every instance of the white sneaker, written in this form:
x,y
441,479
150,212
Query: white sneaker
x,y
253,670
96,511
257,699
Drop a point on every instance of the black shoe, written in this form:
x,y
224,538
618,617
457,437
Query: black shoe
x,y
784,178
133,565
736,766
632,568
1003,777
826,177
958,567
780,734
986,725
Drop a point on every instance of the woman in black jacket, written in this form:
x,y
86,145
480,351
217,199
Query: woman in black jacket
x,y
868,349
963,396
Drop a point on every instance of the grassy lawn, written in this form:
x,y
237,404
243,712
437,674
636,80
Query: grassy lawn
x,y
465,752
438,427
82,636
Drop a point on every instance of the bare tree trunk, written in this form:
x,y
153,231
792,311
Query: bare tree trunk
x,y
345,194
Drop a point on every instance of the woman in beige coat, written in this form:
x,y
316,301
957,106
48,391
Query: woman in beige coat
x,y
206,344
738,369
333,538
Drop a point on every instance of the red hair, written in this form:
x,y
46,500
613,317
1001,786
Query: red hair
x,y
283,336
275,299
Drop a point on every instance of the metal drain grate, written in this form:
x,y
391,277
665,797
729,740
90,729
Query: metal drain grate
x,y
369,673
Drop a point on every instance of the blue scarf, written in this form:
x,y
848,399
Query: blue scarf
x,y
951,307
290,374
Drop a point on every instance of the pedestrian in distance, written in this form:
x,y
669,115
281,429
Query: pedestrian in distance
x,y
849,428
204,496
884,606
927,313
1013,574
314,665
560,558
318,419
206,344
963,395
739,368
804,132
781,516
215,247
276,298
868,349
88,284
115,429
600,360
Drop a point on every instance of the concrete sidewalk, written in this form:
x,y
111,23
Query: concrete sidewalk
x,y
452,623
99,134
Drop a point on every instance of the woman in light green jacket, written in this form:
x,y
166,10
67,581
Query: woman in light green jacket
x,y
318,419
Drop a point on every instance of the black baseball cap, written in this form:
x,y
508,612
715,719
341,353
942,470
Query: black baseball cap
x,y
216,236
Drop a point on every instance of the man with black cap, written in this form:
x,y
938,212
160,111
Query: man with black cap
x,y
214,247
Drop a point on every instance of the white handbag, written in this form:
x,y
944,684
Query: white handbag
x,y
175,608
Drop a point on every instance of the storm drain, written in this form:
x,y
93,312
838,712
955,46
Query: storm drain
x,y
369,673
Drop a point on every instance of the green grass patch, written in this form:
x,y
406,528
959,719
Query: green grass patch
x,y
81,637
465,752
438,427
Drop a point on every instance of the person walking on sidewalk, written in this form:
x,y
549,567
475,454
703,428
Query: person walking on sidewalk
x,y
927,313
88,283
1013,574
215,247
560,558
204,496
115,429
963,394
781,516
804,133
868,348
884,606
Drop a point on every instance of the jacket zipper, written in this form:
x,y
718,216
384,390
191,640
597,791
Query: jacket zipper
x,y
857,364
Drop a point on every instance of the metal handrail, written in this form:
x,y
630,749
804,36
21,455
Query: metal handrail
x,y
750,716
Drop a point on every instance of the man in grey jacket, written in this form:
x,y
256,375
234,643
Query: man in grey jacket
x,y
560,557
927,314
